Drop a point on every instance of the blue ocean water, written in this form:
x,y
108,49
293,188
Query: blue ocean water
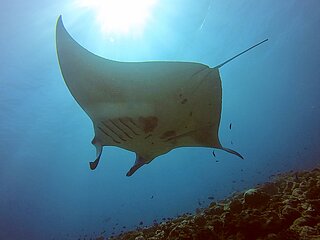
x,y
270,95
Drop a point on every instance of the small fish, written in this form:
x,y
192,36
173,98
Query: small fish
x,y
141,223
231,143
217,160
152,197
230,126
210,198
213,153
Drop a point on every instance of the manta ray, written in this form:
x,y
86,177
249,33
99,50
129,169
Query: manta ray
x,y
149,107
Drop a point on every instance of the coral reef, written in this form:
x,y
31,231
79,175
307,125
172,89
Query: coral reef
x,y
286,208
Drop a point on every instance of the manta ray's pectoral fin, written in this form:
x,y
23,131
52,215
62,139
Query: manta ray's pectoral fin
x,y
99,147
140,161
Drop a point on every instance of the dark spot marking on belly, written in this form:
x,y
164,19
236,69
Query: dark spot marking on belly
x,y
184,101
148,123
168,134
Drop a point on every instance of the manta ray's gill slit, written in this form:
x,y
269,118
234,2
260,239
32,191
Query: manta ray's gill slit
x,y
124,132
148,136
127,125
131,121
101,129
113,131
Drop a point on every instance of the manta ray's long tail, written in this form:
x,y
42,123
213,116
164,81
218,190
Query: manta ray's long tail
x,y
220,65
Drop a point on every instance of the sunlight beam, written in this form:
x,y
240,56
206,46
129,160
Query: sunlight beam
x,y
120,17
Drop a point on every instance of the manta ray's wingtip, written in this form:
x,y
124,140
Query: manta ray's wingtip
x,y
59,21
59,24
233,152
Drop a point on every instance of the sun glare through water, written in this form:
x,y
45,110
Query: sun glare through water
x,y
120,17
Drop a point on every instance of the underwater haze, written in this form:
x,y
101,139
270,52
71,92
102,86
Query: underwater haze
x,y
270,96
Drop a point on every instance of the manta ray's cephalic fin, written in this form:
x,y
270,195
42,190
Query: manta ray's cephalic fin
x,y
140,161
99,147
